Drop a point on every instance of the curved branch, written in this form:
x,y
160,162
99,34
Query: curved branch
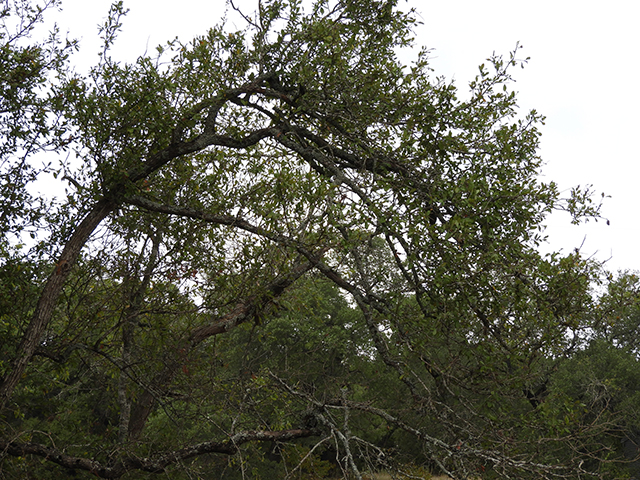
x,y
244,310
109,202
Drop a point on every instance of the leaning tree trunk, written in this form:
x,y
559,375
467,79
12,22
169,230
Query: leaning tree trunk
x,y
49,297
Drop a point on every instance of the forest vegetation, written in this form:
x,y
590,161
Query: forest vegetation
x,y
281,252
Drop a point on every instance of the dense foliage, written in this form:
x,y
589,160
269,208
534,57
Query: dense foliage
x,y
283,253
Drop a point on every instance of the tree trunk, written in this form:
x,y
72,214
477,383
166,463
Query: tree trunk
x,y
49,296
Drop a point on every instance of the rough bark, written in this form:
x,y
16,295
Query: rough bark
x,y
49,296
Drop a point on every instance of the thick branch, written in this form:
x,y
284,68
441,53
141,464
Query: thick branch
x,y
118,467
229,220
104,207
374,164
243,311
246,309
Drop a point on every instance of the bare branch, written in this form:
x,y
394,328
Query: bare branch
x,y
117,467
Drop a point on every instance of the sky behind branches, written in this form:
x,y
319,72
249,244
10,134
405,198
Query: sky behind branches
x,y
581,75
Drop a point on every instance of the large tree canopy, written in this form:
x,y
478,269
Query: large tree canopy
x,y
282,250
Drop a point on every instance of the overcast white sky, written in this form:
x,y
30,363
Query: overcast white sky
x,y
582,75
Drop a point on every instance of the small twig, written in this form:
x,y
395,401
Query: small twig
x,y
309,453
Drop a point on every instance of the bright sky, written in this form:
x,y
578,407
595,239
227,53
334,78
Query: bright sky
x,y
582,76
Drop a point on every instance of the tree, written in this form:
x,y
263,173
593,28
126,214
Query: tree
x,y
27,120
210,188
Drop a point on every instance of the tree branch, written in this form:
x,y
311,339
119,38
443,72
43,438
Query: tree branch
x,y
243,311
117,467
